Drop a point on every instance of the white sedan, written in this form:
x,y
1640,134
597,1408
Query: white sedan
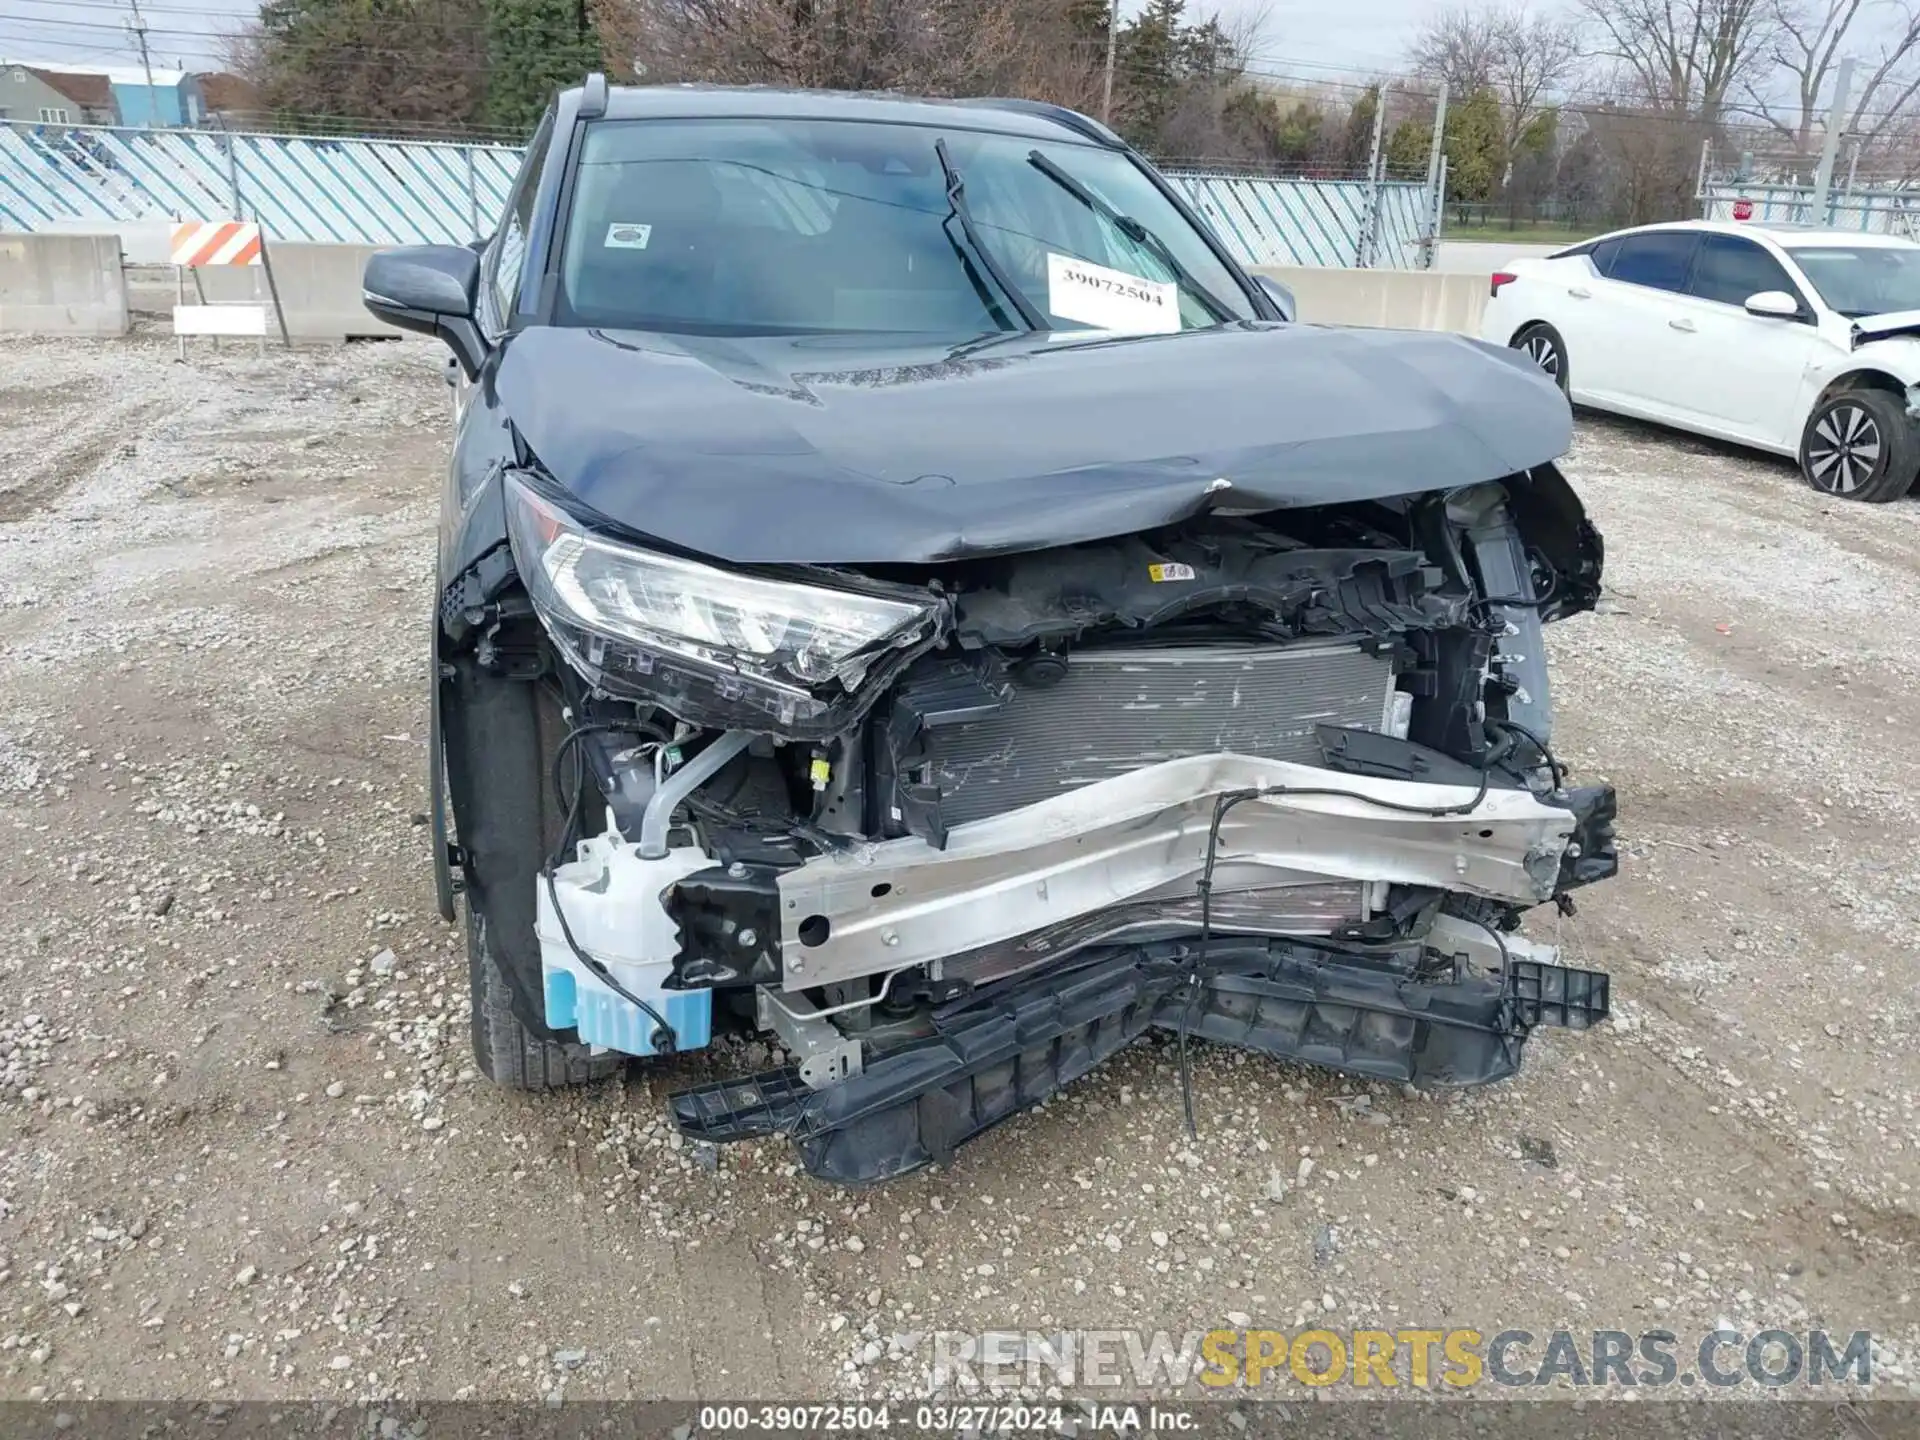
x,y
1800,341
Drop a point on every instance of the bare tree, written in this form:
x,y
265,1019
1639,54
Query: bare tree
x,y
1810,37
1683,57
1886,100
1646,157
1522,56
1535,54
927,46
1460,46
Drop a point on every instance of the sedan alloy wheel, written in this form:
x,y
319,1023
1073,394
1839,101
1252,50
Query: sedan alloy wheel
x,y
1860,445
1845,447
1543,346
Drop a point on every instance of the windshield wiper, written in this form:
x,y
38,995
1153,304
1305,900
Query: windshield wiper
x,y
1134,231
957,210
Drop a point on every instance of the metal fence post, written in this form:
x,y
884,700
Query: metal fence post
x,y
1370,223
1430,241
233,173
473,195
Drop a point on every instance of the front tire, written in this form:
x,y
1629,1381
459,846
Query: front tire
x,y
1860,445
507,1052
1541,343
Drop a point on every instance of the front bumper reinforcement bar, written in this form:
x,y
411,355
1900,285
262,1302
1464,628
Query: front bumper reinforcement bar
x,y
1003,1051
1144,834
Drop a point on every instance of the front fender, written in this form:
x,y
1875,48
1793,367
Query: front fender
x,y
1881,365
1886,364
472,517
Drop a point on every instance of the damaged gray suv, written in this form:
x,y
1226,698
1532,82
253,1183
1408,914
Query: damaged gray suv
x,y
905,588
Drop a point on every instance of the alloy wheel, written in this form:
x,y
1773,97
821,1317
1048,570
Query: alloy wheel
x,y
1844,449
1539,348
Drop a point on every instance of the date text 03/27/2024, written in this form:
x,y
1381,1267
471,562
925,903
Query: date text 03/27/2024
x,y
943,1419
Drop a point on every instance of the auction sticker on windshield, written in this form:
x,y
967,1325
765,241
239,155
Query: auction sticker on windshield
x,y
1110,299
628,237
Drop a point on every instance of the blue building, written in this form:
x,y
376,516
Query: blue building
x,y
172,98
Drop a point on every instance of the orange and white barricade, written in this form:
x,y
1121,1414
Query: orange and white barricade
x,y
215,242
203,244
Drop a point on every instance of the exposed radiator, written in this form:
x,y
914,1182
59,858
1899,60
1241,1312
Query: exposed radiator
x,y
1119,710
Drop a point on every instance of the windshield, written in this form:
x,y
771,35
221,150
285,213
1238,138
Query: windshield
x,y
756,227
1865,279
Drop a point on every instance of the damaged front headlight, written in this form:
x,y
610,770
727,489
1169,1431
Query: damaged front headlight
x,y
713,647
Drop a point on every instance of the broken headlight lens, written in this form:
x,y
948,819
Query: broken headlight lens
x,y
711,646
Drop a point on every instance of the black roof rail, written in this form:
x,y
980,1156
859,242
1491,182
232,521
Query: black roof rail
x,y
593,96
1059,114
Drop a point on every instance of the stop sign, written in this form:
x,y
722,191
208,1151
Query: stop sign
x,y
1743,209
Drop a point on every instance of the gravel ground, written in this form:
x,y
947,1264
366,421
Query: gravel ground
x,y
243,1152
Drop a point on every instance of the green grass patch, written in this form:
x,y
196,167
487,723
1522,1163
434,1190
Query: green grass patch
x,y
1524,233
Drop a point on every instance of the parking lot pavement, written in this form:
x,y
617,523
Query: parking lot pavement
x,y
242,1151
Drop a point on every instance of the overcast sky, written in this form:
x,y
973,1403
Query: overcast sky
x,y
1363,35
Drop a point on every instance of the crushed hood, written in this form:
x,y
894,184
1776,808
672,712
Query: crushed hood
x,y
869,450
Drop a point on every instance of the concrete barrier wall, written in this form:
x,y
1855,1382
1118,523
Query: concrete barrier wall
x,y
142,242
319,289
1393,299
62,285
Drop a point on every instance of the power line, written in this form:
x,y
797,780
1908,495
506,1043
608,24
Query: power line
x,y
349,57
101,25
1257,64
343,54
113,8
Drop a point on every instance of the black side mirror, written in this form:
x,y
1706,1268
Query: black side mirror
x,y
429,289
1280,295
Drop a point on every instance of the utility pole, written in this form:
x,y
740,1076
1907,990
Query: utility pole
x,y
139,31
1830,149
1113,46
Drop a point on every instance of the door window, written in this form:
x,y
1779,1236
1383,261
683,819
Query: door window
x,y
1730,270
1657,260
